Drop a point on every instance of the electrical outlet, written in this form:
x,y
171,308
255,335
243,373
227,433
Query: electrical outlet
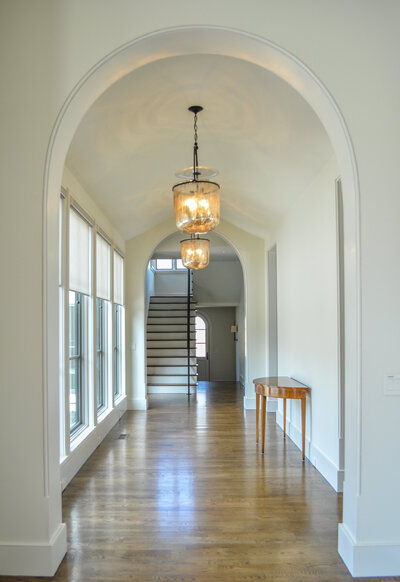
x,y
391,385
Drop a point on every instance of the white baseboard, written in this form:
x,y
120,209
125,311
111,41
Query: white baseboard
x,y
169,390
272,405
321,462
368,559
250,404
80,454
137,404
34,559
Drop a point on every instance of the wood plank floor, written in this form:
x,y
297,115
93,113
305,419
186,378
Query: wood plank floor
x,y
186,496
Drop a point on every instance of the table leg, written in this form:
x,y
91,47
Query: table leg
x,y
257,414
284,418
303,425
263,408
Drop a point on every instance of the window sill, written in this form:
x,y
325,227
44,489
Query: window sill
x,y
81,437
118,398
103,414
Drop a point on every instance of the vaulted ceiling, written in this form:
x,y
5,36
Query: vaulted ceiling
x,y
264,139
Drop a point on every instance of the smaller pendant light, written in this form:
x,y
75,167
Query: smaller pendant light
x,y
195,252
196,201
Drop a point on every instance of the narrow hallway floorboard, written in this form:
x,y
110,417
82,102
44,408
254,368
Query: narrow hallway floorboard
x,y
182,493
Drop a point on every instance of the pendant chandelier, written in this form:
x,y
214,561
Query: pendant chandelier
x,y
195,252
196,208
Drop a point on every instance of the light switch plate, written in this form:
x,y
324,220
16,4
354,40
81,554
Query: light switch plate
x,y
391,386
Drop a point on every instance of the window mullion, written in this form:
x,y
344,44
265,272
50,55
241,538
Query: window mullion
x,y
67,437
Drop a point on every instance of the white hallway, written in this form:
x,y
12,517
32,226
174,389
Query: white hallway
x,y
61,58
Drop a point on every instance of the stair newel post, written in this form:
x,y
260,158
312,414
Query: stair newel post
x,y
188,330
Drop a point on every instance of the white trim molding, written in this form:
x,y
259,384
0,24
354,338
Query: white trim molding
x,y
249,403
34,559
365,559
328,469
137,404
173,389
80,454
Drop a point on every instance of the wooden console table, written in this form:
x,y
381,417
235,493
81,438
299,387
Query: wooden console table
x,y
280,387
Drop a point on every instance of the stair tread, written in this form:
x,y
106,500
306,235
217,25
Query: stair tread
x,y
170,365
183,303
173,375
170,385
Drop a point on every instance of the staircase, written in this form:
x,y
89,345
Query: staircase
x,y
167,355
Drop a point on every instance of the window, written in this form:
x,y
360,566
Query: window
x,y
119,326
103,296
168,265
117,350
164,264
61,319
80,244
76,362
92,324
201,337
80,233
101,350
118,279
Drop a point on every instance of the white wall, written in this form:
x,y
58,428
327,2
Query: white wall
x,y
241,342
51,52
221,347
170,283
149,286
272,315
220,283
308,319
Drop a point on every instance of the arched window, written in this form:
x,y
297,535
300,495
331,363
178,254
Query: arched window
x,y
201,337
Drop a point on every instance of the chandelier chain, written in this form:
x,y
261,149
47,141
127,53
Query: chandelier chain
x,y
195,150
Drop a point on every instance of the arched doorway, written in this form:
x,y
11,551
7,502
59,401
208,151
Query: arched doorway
x,y
219,294
188,41
202,348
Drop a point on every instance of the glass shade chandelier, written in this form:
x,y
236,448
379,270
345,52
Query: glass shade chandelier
x,y
195,252
196,207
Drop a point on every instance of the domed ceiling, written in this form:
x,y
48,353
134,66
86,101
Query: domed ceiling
x,y
260,134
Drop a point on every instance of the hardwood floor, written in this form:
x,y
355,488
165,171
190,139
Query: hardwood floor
x,y
185,496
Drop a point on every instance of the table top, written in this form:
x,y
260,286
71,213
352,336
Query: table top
x,y
279,382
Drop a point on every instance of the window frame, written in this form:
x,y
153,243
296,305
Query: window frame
x,y
117,350
101,355
78,368
174,267
205,343
80,358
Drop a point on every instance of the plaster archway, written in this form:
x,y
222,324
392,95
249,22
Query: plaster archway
x,y
138,253
200,40
249,267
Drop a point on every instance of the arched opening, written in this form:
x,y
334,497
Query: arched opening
x,y
202,348
217,294
189,41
